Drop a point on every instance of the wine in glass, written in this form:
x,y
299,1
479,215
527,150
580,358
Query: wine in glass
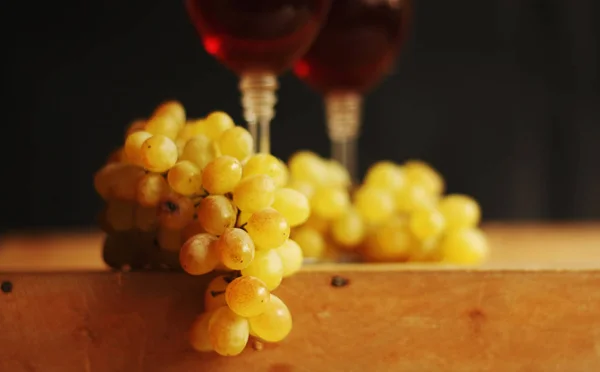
x,y
258,40
356,47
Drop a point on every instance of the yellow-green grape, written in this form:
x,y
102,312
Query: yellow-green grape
x,y
214,297
427,251
216,123
465,247
151,189
268,228
185,178
254,193
413,197
460,211
135,126
199,150
330,202
228,332
199,254
374,204
247,296
175,211
266,266
269,165
427,223
385,174
146,218
216,213
236,142
163,125
274,324
318,223
348,230
420,173
291,257
159,153
392,241
119,215
337,174
310,240
173,109
293,205
308,166
198,337
222,175
118,181
133,146
243,218
191,129
304,187
169,240
236,248
191,229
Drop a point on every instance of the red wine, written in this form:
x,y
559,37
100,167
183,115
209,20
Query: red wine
x,y
357,45
257,35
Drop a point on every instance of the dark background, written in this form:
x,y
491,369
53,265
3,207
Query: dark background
x,y
502,96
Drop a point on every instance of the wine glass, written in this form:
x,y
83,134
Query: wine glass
x,y
357,45
258,40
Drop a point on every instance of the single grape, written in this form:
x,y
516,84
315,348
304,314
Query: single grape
x,y
310,240
199,338
293,205
386,175
216,213
214,297
118,181
274,324
191,229
268,228
163,125
199,254
269,165
304,187
119,215
222,175
464,247
266,266
420,173
192,129
236,142
392,241
374,204
135,126
413,197
291,257
460,211
308,166
348,230
133,146
330,202
151,189
427,223
254,193
236,248
247,296
173,109
159,153
228,332
146,218
338,175
318,223
185,178
216,123
169,240
199,150
175,211
427,251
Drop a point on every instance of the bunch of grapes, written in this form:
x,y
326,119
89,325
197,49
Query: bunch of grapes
x,y
398,213
195,190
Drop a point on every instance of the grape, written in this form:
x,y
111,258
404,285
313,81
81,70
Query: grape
x,y
185,178
236,142
169,240
254,193
243,218
465,247
192,129
348,230
199,254
199,150
173,109
421,173
228,332
320,224
146,218
291,257
135,126
133,146
117,156
385,175
163,125
268,229
175,211
413,197
274,324
216,123
236,248
391,241
304,187
119,215
266,266
247,296
330,202
293,205
214,297
308,166
310,240
216,213
191,229
338,175
374,204
159,153
427,223
118,181
427,251
199,338
460,211
269,165
151,189
222,175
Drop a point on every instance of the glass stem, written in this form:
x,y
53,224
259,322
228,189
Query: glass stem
x,y
343,110
258,101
